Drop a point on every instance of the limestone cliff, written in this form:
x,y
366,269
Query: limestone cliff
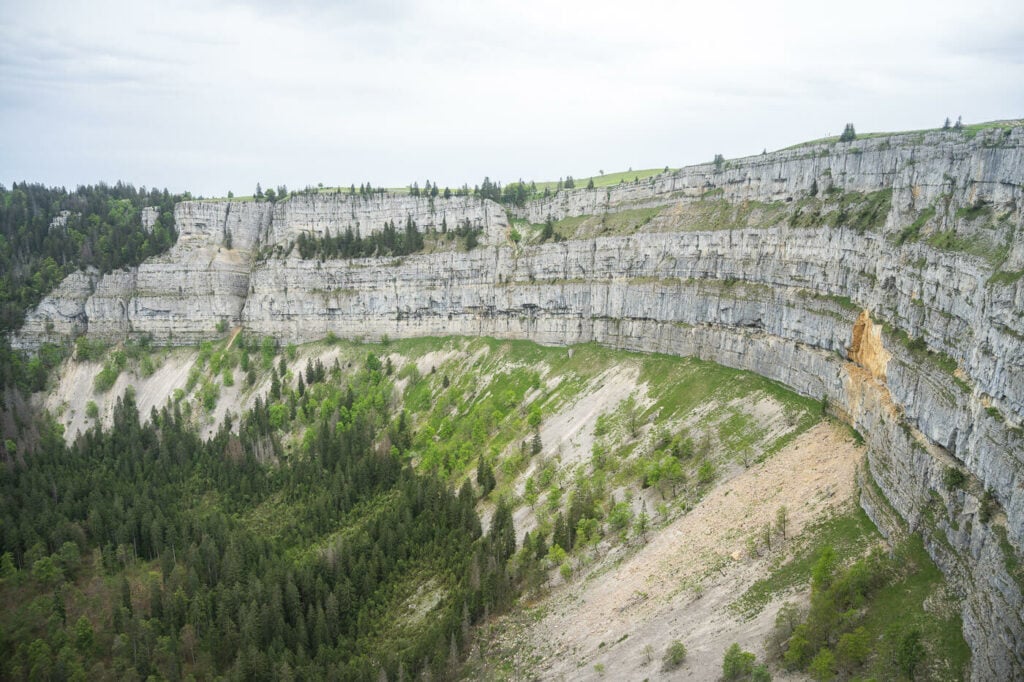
x,y
882,276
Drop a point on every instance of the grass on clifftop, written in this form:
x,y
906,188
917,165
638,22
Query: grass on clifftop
x,y
606,180
968,130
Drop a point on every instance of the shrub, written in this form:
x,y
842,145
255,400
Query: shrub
x,y
92,411
534,418
209,393
953,478
823,666
706,472
104,381
799,649
146,366
268,349
620,516
47,572
786,621
853,648
988,506
674,656
737,664
910,653
89,349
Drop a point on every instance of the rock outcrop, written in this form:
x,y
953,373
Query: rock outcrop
x,y
883,276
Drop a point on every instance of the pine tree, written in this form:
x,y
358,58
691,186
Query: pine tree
x,y
560,536
849,134
503,533
485,476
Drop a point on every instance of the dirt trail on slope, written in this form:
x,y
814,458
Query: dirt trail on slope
x,y
679,585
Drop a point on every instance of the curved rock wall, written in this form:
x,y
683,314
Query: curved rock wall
x,y
913,330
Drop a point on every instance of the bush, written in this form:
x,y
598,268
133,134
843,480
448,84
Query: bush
x,y
853,648
953,478
799,649
534,418
823,666
706,472
268,349
737,664
988,506
675,654
620,516
104,381
47,572
89,349
92,411
910,653
209,393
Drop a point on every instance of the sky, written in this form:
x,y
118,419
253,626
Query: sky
x,y
216,96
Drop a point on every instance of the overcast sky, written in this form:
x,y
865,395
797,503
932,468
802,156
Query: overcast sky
x,y
212,97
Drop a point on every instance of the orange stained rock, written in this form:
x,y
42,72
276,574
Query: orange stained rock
x,y
866,348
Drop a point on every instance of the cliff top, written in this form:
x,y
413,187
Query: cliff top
x,y
602,179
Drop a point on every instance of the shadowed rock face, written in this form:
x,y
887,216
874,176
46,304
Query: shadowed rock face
x,y
908,321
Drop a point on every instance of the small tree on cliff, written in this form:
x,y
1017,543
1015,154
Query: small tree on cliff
x,y
849,134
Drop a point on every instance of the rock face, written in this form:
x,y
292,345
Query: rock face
x,y
909,323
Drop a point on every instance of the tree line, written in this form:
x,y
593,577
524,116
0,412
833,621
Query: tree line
x,y
389,241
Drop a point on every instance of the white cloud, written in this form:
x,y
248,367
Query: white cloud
x,y
211,99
